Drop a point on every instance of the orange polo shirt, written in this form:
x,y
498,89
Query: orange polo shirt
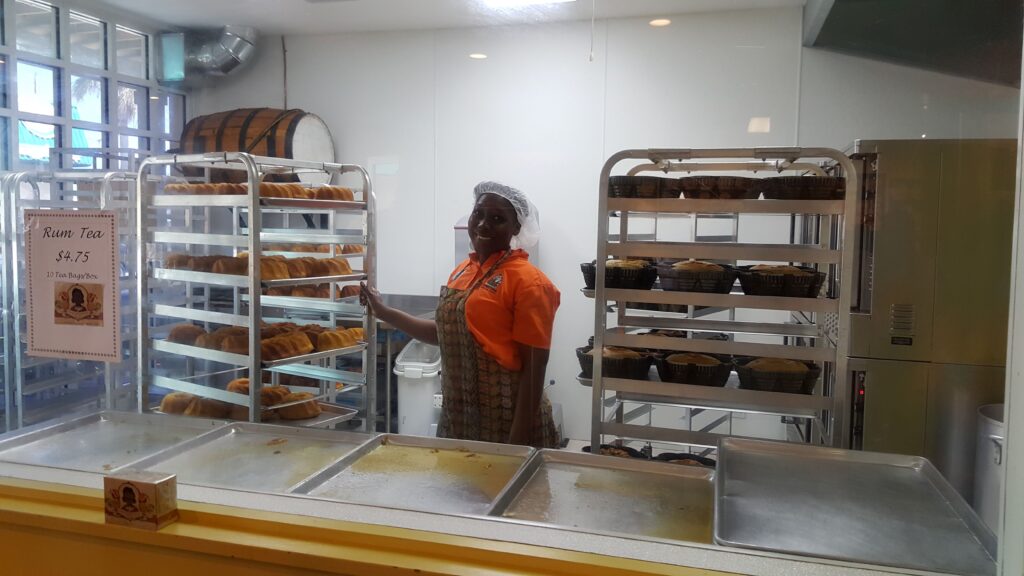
x,y
515,305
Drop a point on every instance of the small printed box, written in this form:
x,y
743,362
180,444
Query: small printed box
x,y
141,499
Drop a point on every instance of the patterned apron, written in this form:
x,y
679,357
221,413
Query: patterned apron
x,y
479,394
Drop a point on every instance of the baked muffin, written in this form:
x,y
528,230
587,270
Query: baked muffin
x,y
692,358
615,362
185,334
627,264
615,352
697,266
629,274
303,410
175,402
781,280
778,375
803,188
779,269
285,346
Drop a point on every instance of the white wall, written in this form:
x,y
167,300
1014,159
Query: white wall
x,y
538,115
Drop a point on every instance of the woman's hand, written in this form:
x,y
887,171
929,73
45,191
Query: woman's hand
x,y
370,297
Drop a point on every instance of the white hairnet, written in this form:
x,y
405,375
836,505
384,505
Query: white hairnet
x,y
526,212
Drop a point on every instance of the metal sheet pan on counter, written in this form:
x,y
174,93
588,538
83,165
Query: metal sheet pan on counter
x,y
418,473
257,457
102,441
616,495
866,507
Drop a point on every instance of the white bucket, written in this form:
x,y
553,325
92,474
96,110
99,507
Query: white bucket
x,y
418,368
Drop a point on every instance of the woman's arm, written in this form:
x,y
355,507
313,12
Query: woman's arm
x,y
419,328
531,388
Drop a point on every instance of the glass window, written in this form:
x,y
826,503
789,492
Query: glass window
x,y
37,89
133,106
88,99
36,27
5,124
34,142
132,52
172,114
3,80
88,40
133,142
81,138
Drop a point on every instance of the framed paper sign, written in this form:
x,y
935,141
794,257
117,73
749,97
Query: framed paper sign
x,y
71,264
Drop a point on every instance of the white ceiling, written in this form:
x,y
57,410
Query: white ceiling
x,y
332,16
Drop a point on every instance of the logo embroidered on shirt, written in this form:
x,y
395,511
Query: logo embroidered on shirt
x,y
494,282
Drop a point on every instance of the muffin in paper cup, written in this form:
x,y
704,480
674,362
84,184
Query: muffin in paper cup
x,y
803,188
765,381
695,374
621,187
625,278
759,283
720,187
631,368
709,281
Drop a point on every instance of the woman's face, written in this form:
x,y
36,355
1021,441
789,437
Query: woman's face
x,y
492,224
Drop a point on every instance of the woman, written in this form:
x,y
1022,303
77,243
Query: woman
x,y
493,324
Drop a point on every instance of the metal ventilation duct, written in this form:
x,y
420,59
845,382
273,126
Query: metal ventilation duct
x,y
220,53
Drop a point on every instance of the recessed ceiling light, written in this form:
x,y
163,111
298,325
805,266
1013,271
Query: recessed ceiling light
x,y
478,56
659,22
154,97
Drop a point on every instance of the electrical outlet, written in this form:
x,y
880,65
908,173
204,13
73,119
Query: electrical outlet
x,y
438,400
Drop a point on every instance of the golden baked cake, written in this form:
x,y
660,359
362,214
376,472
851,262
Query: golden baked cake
x,y
357,333
300,191
178,262
205,263
273,395
779,269
351,290
334,193
185,334
210,341
335,339
285,346
353,249
230,265
304,292
273,268
175,402
308,409
232,331
272,330
323,291
332,267
697,266
239,385
273,190
298,268
615,352
208,408
777,365
692,358
279,291
235,344
177,188
627,264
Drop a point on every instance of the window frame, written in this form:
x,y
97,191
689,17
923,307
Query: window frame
x,y
153,132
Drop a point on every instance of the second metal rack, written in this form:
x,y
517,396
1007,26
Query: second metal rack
x,y
827,333
248,307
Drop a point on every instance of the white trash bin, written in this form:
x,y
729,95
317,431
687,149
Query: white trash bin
x,y
418,368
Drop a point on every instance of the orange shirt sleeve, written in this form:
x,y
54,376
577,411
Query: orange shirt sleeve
x,y
534,315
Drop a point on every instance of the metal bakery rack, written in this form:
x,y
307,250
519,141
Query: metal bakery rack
x,y
808,329
189,223
41,388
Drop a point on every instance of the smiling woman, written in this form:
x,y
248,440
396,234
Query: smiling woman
x,y
493,325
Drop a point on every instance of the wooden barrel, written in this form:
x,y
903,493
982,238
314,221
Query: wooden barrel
x,y
261,131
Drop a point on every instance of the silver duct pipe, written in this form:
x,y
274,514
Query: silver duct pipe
x,y
220,54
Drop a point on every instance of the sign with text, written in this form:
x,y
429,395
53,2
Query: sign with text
x,y
71,264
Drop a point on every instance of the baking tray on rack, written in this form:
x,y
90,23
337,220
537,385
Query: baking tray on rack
x,y
101,441
614,495
868,507
331,205
330,414
257,457
438,475
354,277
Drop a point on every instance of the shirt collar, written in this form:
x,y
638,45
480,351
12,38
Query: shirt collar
x,y
516,254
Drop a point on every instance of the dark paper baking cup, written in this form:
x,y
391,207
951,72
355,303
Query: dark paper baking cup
x,y
803,188
758,283
624,278
676,458
695,374
713,281
720,187
789,382
631,368
632,452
